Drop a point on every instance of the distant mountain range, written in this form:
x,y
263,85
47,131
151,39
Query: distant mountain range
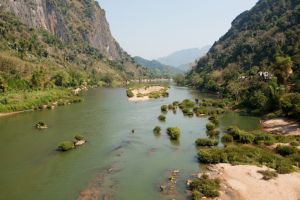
x,y
157,68
183,59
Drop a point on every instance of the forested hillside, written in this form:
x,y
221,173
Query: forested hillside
x,y
35,56
257,62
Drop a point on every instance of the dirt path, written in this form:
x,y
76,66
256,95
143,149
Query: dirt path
x,y
281,126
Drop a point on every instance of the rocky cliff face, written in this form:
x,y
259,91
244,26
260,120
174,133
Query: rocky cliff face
x,y
82,22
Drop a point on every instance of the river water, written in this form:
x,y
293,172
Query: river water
x,y
115,161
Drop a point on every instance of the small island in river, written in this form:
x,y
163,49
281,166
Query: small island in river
x,y
147,92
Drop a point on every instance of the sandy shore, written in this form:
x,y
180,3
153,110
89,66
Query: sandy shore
x,y
145,92
12,113
281,126
244,182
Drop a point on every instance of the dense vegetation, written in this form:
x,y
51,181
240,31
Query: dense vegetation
x,y
254,148
205,187
257,62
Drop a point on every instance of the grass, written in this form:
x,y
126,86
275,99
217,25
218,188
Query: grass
x,y
26,100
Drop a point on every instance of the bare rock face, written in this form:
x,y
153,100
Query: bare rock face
x,y
73,21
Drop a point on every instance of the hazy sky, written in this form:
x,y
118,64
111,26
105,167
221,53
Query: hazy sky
x,y
156,28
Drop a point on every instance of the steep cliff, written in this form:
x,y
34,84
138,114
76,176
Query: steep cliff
x,y
73,21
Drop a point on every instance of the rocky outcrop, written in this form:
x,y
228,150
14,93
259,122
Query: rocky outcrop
x,y
73,21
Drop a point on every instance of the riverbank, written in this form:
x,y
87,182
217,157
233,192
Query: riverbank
x,y
245,182
281,126
17,102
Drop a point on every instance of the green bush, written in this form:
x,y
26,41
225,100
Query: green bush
x,y
174,133
162,118
66,146
175,103
79,137
129,93
164,108
212,156
157,130
213,133
214,120
205,187
246,138
204,142
290,105
227,138
284,167
295,143
171,107
285,150
196,195
268,174
187,103
263,138
210,126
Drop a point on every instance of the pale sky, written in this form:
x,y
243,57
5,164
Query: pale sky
x,y
156,28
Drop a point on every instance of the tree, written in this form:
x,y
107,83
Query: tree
x,y
283,68
61,78
258,100
235,88
38,79
2,85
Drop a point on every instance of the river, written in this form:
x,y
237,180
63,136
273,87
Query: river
x,y
128,165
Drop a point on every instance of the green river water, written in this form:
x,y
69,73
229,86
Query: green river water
x,y
31,169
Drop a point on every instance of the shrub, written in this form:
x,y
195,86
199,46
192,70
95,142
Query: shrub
x,y
196,195
157,130
187,103
262,138
227,138
268,174
285,150
214,120
66,146
245,138
211,156
210,126
213,133
205,187
174,133
129,93
79,137
284,167
233,131
171,107
290,105
206,142
295,143
175,103
164,108
162,118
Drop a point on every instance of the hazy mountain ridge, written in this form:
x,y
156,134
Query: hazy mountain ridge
x,y
157,68
184,57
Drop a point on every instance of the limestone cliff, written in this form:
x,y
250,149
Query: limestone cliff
x,y
73,21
